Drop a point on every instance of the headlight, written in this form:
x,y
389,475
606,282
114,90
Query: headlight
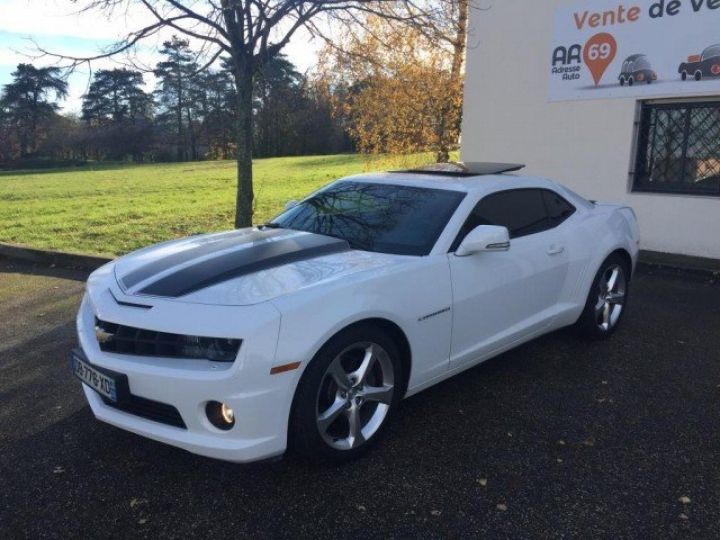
x,y
120,339
216,349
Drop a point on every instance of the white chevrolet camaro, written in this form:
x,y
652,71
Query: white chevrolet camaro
x,y
307,332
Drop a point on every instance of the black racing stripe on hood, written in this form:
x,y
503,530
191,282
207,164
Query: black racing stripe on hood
x,y
238,263
149,270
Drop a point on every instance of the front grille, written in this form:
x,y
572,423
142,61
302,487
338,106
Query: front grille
x,y
121,339
149,409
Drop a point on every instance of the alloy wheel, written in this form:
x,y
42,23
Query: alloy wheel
x,y
355,395
611,297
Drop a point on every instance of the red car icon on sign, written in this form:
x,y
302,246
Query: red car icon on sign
x,y
706,64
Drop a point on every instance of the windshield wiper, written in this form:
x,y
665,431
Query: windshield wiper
x,y
271,225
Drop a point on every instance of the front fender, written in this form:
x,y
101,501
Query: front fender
x,y
404,295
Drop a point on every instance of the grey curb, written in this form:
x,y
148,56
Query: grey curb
x,y
668,264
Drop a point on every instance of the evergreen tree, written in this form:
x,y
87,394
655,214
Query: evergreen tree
x,y
277,100
213,99
177,75
116,96
29,100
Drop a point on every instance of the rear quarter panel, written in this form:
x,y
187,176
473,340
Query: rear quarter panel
x,y
593,235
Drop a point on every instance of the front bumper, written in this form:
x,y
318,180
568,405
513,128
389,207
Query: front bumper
x,y
261,401
240,450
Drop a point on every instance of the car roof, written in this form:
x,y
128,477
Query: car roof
x,y
634,57
465,168
476,186
467,184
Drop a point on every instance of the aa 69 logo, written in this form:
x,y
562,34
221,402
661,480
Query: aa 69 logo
x,y
597,54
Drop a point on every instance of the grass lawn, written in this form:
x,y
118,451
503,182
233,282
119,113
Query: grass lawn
x,y
113,209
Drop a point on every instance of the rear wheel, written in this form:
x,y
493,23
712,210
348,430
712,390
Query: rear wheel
x,y
622,81
631,81
698,75
606,300
346,395
683,75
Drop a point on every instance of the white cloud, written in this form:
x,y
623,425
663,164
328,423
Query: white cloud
x,y
60,18
43,19
58,26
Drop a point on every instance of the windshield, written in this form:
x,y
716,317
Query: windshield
x,y
711,52
402,220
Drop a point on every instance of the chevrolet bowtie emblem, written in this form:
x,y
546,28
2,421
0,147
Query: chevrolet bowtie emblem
x,y
103,336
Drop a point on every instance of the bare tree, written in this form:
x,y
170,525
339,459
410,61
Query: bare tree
x,y
250,32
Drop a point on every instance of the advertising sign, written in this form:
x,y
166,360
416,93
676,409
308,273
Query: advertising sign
x,y
612,49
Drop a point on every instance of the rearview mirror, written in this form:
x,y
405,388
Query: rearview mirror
x,y
484,238
292,203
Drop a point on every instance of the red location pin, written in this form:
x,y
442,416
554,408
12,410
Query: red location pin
x,y
598,53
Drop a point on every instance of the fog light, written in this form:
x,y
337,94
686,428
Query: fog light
x,y
220,415
227,414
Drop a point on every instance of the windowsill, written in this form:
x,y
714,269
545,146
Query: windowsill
x,y
686,193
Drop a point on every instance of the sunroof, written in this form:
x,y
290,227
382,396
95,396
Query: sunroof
x,y
467,168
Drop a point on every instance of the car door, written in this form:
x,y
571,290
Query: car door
x,y
502,297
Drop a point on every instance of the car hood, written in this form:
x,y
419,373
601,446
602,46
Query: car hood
x,y
242,267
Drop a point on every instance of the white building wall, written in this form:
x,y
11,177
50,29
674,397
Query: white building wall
x,y
586,145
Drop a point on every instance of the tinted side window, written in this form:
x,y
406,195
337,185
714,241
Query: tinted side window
x,y
558,209
522,211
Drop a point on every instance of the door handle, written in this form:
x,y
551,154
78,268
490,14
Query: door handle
x,y
555,249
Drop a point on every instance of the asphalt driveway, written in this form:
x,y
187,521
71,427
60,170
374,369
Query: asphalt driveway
x,y
559,438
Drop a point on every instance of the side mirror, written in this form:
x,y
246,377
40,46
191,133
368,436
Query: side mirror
x,y
484,238
292,203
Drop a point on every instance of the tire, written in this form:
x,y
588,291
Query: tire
x,y
605,308
338,422
683,75
622,81
698,75
631,81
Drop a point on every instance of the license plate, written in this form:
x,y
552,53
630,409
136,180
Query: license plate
x,y
98,381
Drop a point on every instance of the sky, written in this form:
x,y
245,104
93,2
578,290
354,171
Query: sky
x,y
56,26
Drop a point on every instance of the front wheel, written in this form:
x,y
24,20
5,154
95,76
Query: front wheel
x,y
606,300
346,395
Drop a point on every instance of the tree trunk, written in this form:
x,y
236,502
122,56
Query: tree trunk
x,y
449,115
22,132
33,127
243,133
178,118
191,133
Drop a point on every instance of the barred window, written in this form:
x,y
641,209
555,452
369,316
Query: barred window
x,y
679,148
